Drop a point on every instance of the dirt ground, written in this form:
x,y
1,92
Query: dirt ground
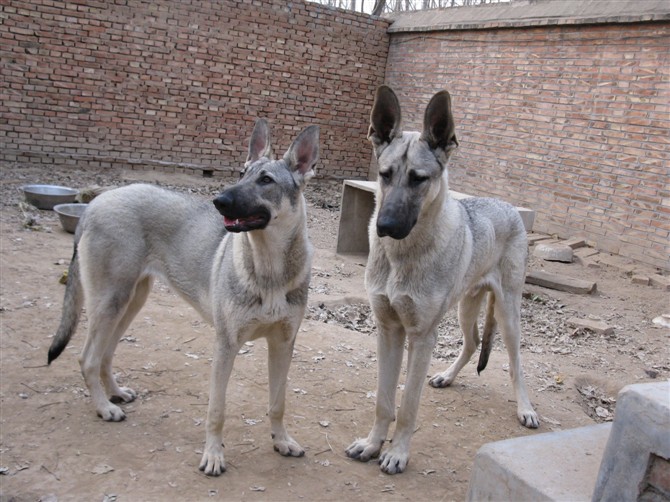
x,y
53,447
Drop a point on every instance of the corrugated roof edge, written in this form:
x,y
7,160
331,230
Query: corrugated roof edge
x,y
530,13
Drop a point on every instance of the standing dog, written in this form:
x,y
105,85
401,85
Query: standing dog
x,y
429,251
246,273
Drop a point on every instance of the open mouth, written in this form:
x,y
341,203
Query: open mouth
x,y
254,222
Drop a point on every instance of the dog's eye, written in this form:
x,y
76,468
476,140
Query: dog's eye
x,y
416,179
265,180
385,175
242,173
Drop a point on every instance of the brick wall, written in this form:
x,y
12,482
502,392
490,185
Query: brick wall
x,y
177,85
571,121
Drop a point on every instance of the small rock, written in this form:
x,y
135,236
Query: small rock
x,y
662,320
651,373
554,252
640,279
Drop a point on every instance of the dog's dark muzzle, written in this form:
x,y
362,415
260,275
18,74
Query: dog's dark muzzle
x,y
389,225
238,214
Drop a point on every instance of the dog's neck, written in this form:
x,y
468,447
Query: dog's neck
x,y
278,255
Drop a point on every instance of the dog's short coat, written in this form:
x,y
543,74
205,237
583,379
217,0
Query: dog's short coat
x,y
243,263
428,252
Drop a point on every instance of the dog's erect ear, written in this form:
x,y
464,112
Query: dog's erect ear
x,y
439,129
259,144
303,154
385,118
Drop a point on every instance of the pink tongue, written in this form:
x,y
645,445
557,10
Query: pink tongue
x,y
228,221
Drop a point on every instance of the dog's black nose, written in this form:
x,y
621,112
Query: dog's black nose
x,y
224,203
392,227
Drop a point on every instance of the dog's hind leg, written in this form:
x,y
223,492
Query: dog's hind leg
x,y
468,311
280,352
123,394
105,312
508,312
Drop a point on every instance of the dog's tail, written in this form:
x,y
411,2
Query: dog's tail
x,y
72,304
487,335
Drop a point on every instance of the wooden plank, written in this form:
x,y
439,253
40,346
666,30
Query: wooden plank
x,y
560,282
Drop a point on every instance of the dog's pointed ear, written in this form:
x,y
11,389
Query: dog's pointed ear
x,y
259,144
439,128
303,154
385,118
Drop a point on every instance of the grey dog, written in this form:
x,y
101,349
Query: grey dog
x,y
243,263
428,252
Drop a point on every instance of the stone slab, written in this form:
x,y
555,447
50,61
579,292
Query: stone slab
x,y
660,281
554,466
599,327
575,242
560,282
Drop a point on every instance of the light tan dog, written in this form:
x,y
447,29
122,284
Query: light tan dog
x,y
429,252
242,262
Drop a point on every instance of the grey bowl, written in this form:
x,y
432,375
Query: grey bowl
x,y
69,215
47,196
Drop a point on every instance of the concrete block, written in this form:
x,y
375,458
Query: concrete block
x,y
638,445
358,204
640,279
555,466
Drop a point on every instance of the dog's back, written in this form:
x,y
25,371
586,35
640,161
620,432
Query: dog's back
x,y
145,230
499,239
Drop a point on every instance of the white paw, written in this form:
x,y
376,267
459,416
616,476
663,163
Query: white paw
x,y
394,461
528,418
441,380
111,413
288,447
364,450
212,463
123,395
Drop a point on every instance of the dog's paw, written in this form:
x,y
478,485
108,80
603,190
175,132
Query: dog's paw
x,y
393,461
212,463
111,413
364,450
441,380
123,395
288,447
528,418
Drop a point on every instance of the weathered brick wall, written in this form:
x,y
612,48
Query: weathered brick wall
x,y
571,121
179,84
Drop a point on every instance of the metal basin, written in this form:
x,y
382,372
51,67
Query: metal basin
x,y
47,196
69,215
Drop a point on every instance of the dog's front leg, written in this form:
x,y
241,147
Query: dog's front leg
x,y
420,350
280,352
212,462
390,348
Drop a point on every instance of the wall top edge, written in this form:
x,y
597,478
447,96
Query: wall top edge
x,y
530,13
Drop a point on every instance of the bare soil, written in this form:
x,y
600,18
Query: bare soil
x,y
53,447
